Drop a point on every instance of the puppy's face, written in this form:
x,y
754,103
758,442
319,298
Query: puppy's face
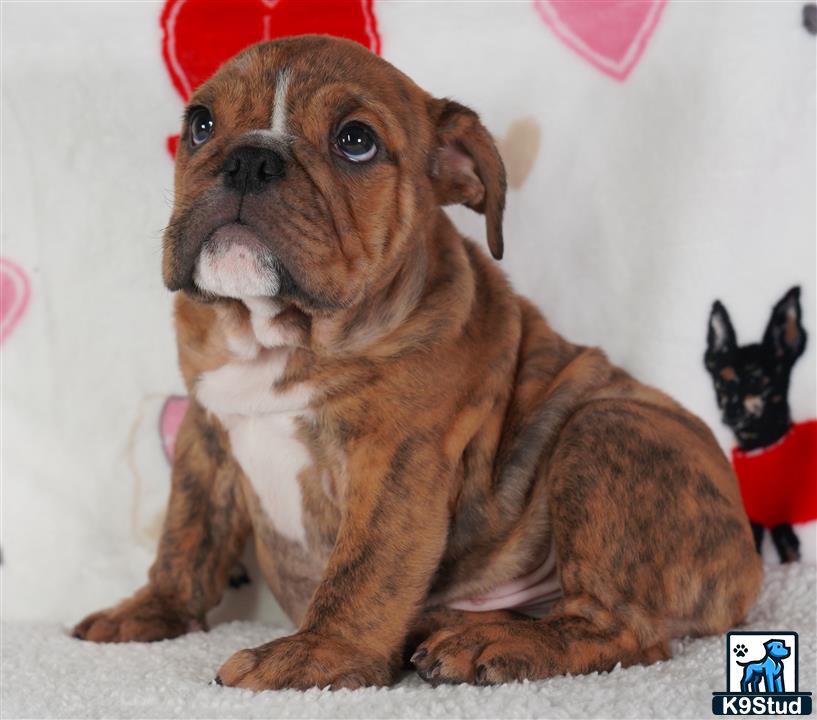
x,y
306,169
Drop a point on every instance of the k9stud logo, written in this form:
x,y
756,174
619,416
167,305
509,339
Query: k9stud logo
x,y
761,676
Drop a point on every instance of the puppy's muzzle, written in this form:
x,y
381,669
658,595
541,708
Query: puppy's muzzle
x,y
234,261
252,169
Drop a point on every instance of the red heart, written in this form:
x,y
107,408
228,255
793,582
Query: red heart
x,y
170,421
14,295
609,34
199,35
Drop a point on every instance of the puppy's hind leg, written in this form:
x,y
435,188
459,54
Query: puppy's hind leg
x,y
652,543
204,533
577,638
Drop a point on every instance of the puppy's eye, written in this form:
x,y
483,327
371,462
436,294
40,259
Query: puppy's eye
x,y
201,126
356,142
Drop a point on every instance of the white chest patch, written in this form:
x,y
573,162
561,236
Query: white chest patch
x,y
261,422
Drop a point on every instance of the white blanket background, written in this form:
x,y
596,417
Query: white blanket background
x,y
633,206
47,674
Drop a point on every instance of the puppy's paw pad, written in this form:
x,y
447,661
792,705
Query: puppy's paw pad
x,y
486,654
348,682
447,656
141,618
499,664
303,661
236,669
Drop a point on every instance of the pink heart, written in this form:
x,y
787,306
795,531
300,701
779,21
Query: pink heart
x,y
170,421
14,294
609,34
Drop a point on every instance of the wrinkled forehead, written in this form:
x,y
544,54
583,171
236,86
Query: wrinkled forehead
x,y
274,84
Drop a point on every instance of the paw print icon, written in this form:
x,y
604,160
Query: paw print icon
x,y
740,650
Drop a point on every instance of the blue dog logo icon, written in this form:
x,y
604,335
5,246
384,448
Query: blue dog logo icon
x,y
767,671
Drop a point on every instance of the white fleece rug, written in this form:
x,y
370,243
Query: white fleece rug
x,y
45,673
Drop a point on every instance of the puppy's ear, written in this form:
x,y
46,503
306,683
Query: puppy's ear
x,y
720,338
785,334
466,167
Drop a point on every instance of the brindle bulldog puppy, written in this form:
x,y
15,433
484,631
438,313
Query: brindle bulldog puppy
x,y
421,462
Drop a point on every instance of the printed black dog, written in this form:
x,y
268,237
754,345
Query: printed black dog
x,y
775,459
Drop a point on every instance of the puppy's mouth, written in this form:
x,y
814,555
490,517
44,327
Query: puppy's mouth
x,y
234,263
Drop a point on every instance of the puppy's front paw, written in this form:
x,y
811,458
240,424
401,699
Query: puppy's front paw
x,y
302,661
141,618
479,654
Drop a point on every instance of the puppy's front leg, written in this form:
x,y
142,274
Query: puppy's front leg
x,y
204,532
391,538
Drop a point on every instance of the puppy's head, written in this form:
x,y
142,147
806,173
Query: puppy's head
x,y
307,170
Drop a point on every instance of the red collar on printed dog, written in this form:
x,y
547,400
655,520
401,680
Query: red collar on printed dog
x,y
778,482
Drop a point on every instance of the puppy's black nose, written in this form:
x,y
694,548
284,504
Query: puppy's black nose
x,y
251,169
